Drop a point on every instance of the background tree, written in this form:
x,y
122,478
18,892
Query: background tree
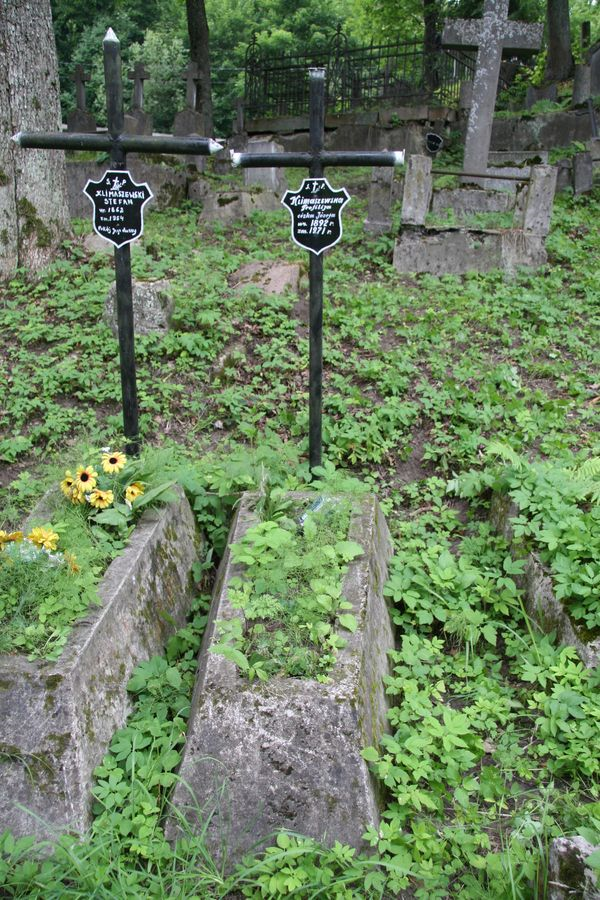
x,y
197,24
559,59
33,203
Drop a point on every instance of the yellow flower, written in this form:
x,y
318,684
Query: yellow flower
x,y
67,483
6,537
43,537
100,499
113,462
133,491
77,496
85,480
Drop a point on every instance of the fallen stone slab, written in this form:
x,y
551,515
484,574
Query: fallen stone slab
x,y
541,602
286,753
58,717
569,876
272,278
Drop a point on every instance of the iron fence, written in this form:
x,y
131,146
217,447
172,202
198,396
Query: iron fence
x,y
398,73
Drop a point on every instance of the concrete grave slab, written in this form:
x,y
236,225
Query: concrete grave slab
x,y
152,307
58,718
286,753
540,601
499,158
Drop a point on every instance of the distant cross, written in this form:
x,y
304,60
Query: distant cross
x,y
190,76
118,145
138,75
490,36
80,77
305,222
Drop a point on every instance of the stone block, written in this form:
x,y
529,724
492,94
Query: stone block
x,y
456,251
535,94
583,173
540,601
582,84
418,185
540,200
81,121
352,137
568,875
379,213
136,121
226,207
58,718
269,179
594,61
152,307
277,124
286,753
188,121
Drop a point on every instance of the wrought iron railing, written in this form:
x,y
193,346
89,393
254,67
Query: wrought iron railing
x,y
398,73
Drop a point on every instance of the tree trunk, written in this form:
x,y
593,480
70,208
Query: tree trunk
x,y
33,202
431,20
199,53
559,63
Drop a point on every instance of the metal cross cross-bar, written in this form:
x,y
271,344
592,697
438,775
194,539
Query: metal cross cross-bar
x,y
119,233
316,225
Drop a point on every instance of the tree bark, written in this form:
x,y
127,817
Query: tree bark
x,y
431,20
559,62
199,53
34,216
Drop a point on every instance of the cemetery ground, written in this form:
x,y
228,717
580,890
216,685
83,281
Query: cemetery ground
x,y
437,391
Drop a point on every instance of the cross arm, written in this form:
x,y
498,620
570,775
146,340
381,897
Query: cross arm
x,y
522,36
326,157
463,34
195,146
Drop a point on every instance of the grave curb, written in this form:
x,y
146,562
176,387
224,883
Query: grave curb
x,y
540,601
286,753
60,716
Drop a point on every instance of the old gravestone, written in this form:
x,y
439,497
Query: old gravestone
x,y
137,120
489,36
80,119
189,120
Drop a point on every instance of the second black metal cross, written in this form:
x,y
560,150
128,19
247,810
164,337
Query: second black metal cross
x,y
118,145
316,160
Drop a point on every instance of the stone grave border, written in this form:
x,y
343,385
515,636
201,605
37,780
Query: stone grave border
x,y
541,603
286,753
59,717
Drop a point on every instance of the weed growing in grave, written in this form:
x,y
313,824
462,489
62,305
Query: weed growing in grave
x,y
289,598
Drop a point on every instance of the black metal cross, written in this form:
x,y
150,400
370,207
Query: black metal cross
x,y
316,160
118,145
